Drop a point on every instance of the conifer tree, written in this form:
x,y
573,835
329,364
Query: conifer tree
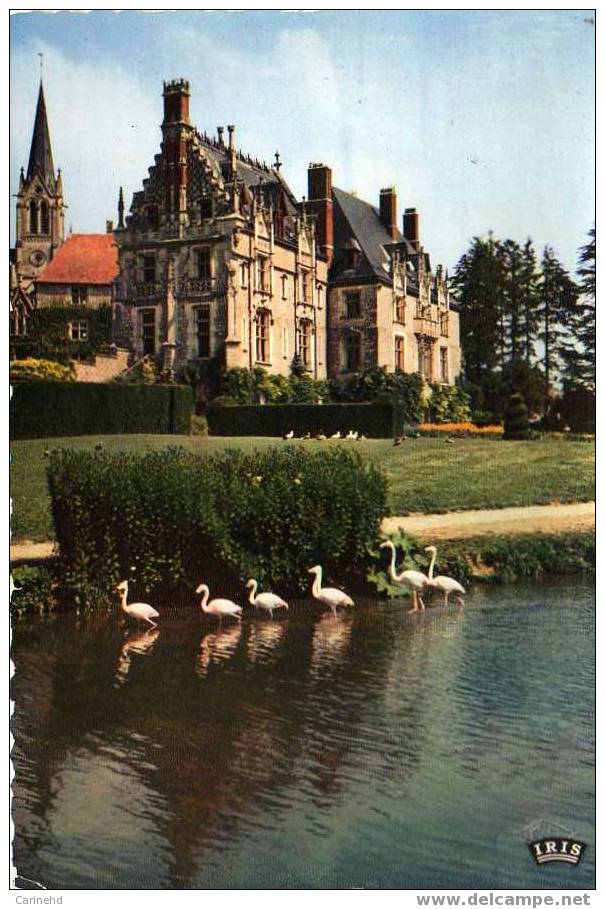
x,y
580,357
558,296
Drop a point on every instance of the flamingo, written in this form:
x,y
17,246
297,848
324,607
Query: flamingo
x,y
330,596
442,582
218,607
142,611
268,601
415,581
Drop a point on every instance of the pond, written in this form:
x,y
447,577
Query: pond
x,y
379,750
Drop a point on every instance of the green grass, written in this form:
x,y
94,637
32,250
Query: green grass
x,y
424,474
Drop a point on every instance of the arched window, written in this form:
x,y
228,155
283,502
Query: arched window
x,y
263,321
44,219
33,217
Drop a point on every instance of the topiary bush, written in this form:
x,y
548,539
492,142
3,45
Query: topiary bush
x,y
516,422
172,519
448,404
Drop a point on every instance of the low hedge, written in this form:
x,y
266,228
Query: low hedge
x,y
41,409
378,421
171,520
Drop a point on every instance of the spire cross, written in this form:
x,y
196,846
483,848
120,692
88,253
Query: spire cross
x,y
41,65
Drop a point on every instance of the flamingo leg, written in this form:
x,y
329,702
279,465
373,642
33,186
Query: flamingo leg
x,y
446,598
421,602
152,623
414,602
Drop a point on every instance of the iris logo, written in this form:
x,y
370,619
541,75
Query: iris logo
x,y
556,849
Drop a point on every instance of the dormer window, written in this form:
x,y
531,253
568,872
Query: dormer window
x,y
79,294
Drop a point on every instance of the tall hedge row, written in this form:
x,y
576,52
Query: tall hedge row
x,y
40,409
171,519
380,420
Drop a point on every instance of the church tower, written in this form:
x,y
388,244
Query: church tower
x,y
40,206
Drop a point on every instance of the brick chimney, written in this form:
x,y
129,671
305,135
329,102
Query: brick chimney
x,y
411,227
176,102
320,203
388,210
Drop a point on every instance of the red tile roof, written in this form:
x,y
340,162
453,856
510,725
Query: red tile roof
x,y
83,259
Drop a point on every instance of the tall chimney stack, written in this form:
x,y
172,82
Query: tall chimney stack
x,y
176,102
411,227
319,178
388,210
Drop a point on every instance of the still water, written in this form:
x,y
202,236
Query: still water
x,y
381,750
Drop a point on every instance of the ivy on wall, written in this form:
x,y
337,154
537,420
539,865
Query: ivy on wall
x,y
50,331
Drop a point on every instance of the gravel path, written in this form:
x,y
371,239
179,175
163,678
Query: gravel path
x,y
499,521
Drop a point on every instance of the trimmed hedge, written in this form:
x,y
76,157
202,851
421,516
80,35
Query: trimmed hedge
x,y
378,421
171,520
41,409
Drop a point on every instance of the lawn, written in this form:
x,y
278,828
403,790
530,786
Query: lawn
x,y
424,474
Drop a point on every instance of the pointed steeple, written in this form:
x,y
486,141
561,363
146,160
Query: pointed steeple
x,y
41,156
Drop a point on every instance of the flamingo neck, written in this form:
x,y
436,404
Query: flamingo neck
x,y
317,583
432,565
124,599
392,571
204,602
252,597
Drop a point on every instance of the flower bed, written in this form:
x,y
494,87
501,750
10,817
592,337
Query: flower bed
x,y
460,429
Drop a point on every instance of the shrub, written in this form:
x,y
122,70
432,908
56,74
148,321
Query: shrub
x,y
173,519
383,420
257,386
516,422
40,370
448,404
376,384
39,409
578,408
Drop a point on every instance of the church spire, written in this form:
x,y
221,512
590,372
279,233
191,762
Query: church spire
x,y
41,156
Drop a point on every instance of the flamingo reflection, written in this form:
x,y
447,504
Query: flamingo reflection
x,y
263,639
139,642
217,647
331,639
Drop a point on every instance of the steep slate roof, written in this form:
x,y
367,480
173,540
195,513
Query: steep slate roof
x,y
355,218
83,259
40,155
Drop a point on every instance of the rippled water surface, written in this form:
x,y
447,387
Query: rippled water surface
x,y
381,750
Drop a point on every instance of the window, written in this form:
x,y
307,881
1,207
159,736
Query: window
x,y
149,269
244,274
148,330
353,305
284,286
304,341
44,219
206,209
399,353
400,310
262,336
419,310
444,365
353,351
305,281
244,333
79,294
320,291
444,325
203,264
284,341
202,330
153,217
33,217
263,273
78,330
425,359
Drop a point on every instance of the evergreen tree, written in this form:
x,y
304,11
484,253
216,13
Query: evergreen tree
x,y
511,261
580,357
558,296
531,300
478,282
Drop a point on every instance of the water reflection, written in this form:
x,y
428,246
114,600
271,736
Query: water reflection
x,y
216,647
377,732
138,642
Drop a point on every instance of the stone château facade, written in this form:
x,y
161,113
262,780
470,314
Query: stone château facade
x,y
217,258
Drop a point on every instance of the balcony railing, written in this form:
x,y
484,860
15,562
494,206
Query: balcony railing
x,y
147,290
196,287
426,327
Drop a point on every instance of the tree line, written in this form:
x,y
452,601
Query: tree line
x,y
525,323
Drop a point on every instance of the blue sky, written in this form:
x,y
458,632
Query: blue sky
x,y
482,120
